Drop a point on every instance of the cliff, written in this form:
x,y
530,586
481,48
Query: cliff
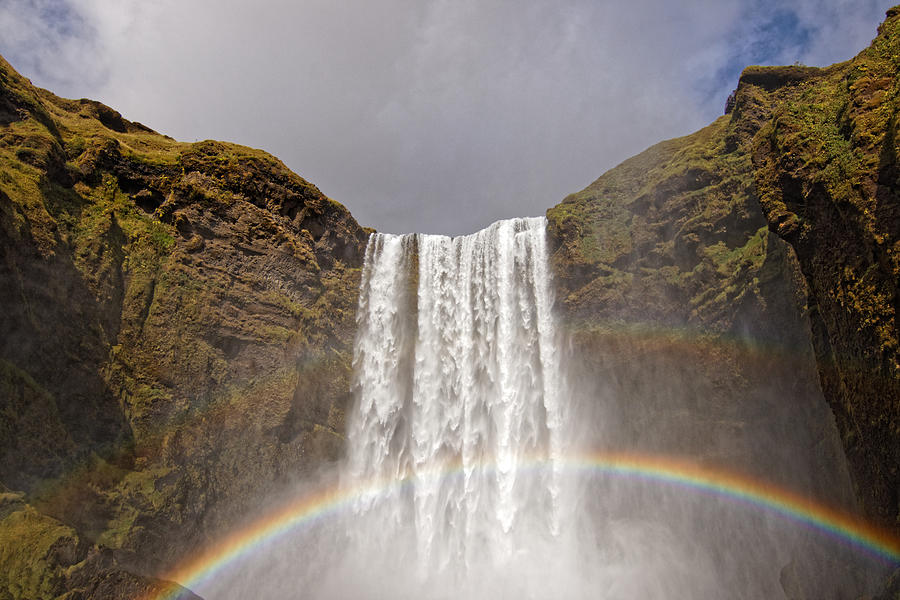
x,y
689,332
826,171
177,321
756,248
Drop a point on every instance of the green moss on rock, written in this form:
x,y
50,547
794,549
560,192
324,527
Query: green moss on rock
x,y
826,166
33,546
675,236
165,300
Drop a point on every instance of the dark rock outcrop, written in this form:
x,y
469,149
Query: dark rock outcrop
x,y
825,163
177,323
766,244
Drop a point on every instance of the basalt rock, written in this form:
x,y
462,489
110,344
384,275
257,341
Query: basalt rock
x,y
758,259
177,324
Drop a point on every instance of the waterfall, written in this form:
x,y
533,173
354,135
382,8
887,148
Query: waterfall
x,y
460,413
463,476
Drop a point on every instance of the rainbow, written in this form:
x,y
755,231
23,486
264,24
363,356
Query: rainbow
x,y
653,468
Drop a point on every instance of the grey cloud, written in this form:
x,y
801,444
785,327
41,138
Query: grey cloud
x,y
436,116
51,42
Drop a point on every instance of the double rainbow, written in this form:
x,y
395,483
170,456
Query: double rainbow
x,y
658,469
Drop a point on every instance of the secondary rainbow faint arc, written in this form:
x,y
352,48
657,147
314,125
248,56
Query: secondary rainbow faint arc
x,y
727,484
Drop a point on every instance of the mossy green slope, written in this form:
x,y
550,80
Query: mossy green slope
x,y
780,213
177,325
675,229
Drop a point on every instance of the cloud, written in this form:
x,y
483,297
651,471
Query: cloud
x,y
436,116
50,41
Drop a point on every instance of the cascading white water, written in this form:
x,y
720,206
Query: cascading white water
x,y
462,478
457,366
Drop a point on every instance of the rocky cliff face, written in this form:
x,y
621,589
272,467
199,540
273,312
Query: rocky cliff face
x,y
757,259
177,321
688,328
825,166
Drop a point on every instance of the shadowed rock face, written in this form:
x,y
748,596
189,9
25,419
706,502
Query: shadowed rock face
x,y
177,321
825,163
757,259
178,318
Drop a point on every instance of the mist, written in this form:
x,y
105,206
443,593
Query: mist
x,y
475,451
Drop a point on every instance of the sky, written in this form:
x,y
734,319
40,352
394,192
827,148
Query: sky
x,y
436,116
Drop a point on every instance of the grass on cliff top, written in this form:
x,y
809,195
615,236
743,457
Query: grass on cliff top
x,y
75,129
238,167
840,127
674,233
642,174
